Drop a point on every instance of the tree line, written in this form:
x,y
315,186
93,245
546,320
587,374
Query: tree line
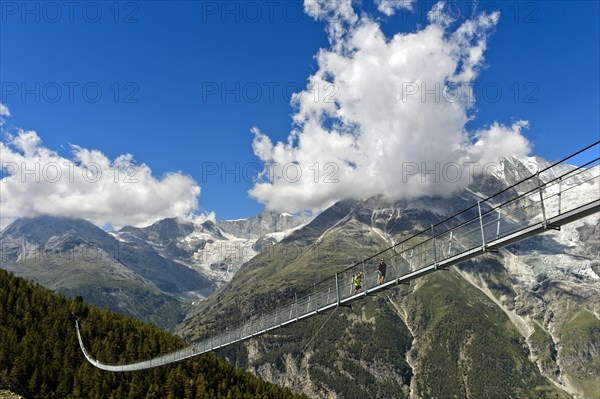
x,y
40,355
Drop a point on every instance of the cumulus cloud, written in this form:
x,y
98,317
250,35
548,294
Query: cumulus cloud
x,y
38,181
388,110
338,14
389,7
4,110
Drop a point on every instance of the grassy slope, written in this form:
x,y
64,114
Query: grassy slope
x,y
467,347
107,284
577,336
575,329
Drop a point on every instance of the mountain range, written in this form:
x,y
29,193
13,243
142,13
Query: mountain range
x,y
152,273
523,322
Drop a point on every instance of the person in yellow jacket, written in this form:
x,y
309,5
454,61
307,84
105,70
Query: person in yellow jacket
x,y
357,282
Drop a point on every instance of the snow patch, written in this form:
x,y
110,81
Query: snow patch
x,y
280,235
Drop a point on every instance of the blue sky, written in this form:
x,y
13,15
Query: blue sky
x,y
161,68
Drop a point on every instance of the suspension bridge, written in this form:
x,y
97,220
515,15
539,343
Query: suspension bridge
x,y
557,195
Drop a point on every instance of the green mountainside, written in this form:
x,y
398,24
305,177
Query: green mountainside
x,y
467,347
464,333
40,355
104,286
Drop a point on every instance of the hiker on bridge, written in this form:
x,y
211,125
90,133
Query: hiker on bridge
x,y
381,271
357,282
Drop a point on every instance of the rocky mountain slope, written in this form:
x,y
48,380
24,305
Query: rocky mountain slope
x,y
77,258
520,323
216,250
150,273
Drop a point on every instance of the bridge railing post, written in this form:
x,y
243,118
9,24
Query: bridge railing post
x,y
559,194
365,278
337,289
435,260
542,200
394,261
481,226
498,224
315,302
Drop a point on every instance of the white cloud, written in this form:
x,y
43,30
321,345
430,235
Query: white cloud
x,y
338,14
4,110
89,185
391,113
389,7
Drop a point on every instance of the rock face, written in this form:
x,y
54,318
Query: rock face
x,y
216,250
520,323
261,225
46,235
151,273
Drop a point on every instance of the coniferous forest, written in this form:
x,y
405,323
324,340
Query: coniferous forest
x,y
40,355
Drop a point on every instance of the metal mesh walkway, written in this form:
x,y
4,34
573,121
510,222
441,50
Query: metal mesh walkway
x,y
546,200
